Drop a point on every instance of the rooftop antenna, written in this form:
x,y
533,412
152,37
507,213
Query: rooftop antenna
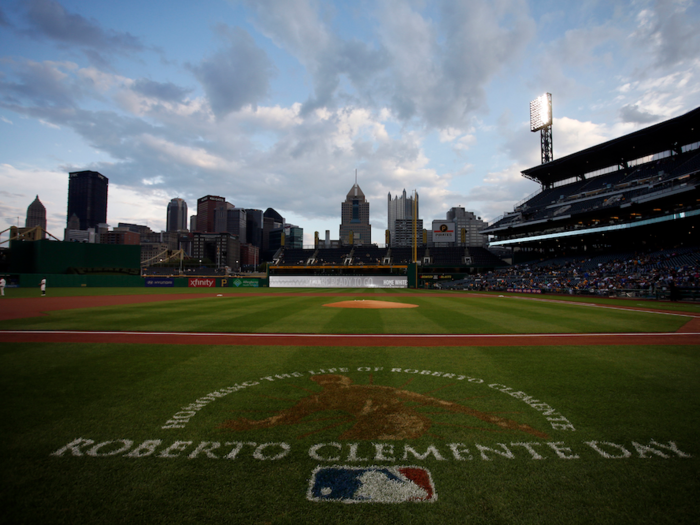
x,y
355,176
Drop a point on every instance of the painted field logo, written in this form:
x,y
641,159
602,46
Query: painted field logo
x,y
373,412
371,485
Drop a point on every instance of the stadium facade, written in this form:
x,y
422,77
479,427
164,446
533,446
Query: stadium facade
x,y
638,192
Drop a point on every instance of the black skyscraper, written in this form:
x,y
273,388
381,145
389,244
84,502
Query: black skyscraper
x,y
177,216
87,198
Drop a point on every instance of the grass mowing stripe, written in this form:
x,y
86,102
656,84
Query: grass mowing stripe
x,y
354,320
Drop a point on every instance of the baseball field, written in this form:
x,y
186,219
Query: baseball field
x,y
358,406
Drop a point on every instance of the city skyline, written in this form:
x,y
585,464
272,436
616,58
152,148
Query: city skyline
x,y
276,104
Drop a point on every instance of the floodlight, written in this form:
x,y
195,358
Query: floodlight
x,y
541,112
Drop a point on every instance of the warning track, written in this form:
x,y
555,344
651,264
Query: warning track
x,y
19,308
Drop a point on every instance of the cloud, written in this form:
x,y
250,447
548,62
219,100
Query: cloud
x,y
632,114
666,32
440,69
42,84
49,19
500,191
166,91
298,27
236,76
425,68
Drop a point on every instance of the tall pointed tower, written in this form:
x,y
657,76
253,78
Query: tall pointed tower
x,y
355,218
36,216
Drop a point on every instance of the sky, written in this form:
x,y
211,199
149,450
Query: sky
x,y
278,103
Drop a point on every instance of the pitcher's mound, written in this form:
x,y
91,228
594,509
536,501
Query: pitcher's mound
x,y
370,304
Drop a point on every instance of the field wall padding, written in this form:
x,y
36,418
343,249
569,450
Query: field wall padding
x,y
340,281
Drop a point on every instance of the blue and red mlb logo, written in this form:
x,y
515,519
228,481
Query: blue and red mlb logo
x,y
371,484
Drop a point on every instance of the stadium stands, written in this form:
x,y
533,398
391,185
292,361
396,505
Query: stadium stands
x,y
637,192
625,274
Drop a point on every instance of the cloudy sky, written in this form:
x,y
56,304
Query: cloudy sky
x,y
276,103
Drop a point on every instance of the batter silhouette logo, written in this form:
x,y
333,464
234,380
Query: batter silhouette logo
x,y
372,412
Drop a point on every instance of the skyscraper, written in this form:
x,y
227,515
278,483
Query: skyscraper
x,y
354,216
236,222
468,226
36,216
206,212
177,216
87,198
400,209
254,227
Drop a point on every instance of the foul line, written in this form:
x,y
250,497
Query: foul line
x,y
596,305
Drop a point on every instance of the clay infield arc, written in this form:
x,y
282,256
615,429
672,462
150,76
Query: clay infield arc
x,y
19,308
368,304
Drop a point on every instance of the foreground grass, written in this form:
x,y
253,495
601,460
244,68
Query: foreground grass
x,y
53,394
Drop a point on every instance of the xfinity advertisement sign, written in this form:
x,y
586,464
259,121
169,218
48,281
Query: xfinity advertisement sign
x,y
344,281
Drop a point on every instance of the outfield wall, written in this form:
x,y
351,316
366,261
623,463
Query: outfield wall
x,y
340,281
76,281
32,280
56,257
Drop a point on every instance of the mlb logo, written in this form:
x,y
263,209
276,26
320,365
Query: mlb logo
x,y
371,485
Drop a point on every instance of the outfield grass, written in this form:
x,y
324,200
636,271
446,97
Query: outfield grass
x,y
282,312
615,426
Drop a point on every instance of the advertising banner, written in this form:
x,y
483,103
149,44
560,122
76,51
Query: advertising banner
x,y
342,281
443,231
159,282
246,283
199,282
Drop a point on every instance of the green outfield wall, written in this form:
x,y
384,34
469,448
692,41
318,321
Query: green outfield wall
x,y
72,281
57,257
33,280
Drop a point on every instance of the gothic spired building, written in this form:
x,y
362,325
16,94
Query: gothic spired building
x,y
355,218
400,220
87,198
36,216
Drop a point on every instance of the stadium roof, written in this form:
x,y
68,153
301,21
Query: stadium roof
x,y
668,135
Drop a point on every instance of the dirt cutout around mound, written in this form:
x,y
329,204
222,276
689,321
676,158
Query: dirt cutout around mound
x,y
369,304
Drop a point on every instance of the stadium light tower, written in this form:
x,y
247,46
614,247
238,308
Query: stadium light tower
x,y
541,120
